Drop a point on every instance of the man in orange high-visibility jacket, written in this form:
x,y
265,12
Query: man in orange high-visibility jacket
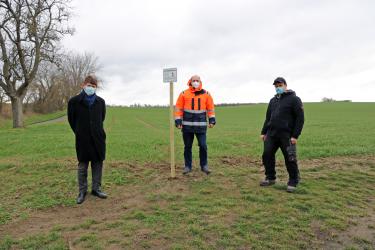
x,y
192,108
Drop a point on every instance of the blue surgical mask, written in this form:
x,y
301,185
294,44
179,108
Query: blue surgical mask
x,y
280,90
89,90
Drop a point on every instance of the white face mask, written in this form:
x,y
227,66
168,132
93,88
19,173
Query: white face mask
x,y
195,84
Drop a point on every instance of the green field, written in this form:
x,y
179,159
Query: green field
x,y
226,210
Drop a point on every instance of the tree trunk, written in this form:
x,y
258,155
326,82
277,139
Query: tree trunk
x,y
17,112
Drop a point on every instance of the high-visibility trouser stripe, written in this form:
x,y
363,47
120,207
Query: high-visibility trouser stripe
x,y
211,116
177,117
195,111
194,123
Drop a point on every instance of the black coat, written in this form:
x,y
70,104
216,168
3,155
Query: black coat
x,y
87,125
285,116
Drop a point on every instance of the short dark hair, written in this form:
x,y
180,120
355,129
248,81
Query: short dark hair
x,y
279,80
91,79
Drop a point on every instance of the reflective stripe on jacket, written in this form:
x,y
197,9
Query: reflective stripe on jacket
x,y
192,109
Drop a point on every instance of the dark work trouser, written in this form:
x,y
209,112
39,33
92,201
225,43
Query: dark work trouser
x,y
271,145
188,141
96,170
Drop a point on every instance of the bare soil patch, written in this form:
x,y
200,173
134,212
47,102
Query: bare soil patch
x,y
121,201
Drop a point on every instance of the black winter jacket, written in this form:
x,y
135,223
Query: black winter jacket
x,y
87,125
285,116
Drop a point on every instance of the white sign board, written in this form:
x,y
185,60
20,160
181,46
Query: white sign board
x,y
170,75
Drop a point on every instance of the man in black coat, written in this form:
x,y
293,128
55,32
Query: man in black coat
x,y
281,129
86,114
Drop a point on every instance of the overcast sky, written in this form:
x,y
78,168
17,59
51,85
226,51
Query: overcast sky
x,y
323,48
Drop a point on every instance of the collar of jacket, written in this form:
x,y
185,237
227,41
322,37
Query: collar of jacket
x,y
82,96
195,89
288,92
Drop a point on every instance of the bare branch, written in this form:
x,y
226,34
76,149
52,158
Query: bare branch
x,y
30,33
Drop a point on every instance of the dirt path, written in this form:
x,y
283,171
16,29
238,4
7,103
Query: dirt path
x,y
59,119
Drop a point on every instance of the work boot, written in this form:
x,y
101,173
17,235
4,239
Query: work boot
x,y
81,197
267,182
99,193
205,170
186,170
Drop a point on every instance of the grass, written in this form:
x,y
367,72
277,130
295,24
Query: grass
x,y
227,210
237,133
31,119
51,240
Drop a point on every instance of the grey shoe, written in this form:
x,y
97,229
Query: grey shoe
x,y
292,186
266,182
291,189
186,170
205,170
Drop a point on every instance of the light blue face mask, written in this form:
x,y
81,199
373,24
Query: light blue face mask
x,y
280,90
89,90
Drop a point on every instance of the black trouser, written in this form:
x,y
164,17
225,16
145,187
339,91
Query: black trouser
x,y
188,141
271,145
96,171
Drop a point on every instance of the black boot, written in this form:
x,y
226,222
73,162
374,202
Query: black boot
x,y
81,197
99,193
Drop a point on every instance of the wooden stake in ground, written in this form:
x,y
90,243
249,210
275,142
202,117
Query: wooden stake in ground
x,y
170,75
171,129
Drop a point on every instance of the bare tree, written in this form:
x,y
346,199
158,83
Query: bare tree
x,y
39,92
54,83
30,32
3,100
75,67
326,99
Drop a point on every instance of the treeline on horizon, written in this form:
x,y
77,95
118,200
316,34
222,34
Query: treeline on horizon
x,y
139,105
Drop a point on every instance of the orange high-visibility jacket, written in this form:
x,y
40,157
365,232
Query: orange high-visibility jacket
x,y
192,108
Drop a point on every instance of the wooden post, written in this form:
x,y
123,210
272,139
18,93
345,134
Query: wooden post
x,y
171,130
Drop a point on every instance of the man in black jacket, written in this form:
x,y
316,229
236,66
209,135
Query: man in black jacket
x,y
86,114
281,129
